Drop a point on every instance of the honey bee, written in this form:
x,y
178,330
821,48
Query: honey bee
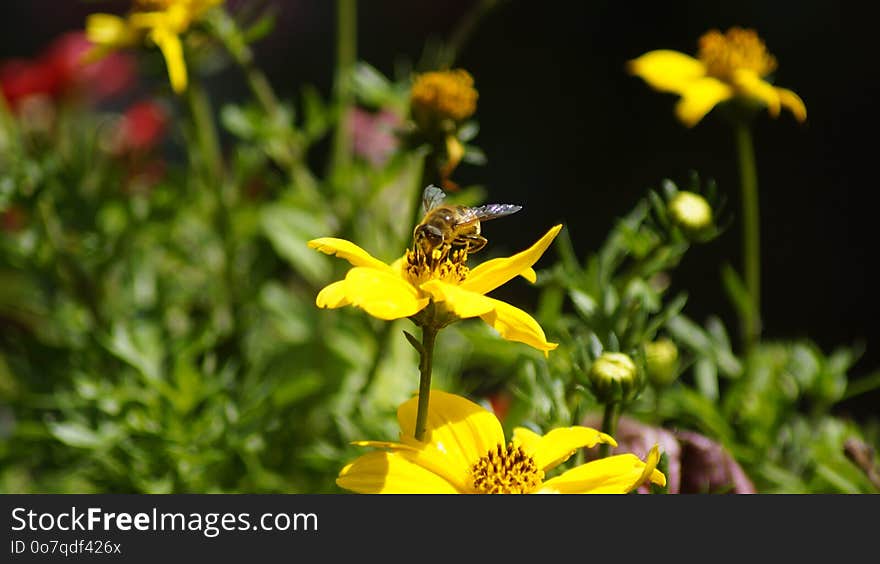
x,y
455,225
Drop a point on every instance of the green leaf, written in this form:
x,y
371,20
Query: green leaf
x,y
583,303
316,115
706,377
736,291
414,342
260,28
78,435
289,229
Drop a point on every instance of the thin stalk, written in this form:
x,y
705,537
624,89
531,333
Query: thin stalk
x,y
609,426
208,143
751,241
464,30
429,335
346,57
206,133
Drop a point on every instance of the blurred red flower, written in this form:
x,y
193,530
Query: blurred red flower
x,y
61,70
141,127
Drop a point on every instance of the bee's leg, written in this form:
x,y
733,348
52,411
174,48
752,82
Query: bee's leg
x,y
474,242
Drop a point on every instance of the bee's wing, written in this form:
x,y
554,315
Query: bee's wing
x,y
491,211
432,197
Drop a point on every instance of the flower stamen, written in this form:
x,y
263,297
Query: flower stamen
x,y
444,263
724,53
506,470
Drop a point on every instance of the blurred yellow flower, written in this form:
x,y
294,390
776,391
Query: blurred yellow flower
x,y
406,287
465,451
160,22
728,65
442,95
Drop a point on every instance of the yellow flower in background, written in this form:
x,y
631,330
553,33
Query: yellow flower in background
x,y
439,102
465,451
443,95
159,22
406,287
728,65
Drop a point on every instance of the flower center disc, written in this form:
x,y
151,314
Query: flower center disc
x,y
724,53
446,94
506,470
444,263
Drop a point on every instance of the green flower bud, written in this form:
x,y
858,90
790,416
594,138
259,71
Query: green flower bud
x,y
614,378
691,212
661,362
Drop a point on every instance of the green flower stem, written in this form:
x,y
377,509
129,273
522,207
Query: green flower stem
x,y
464,30
206,132
346,57
208,143
429,335
751,324
609,426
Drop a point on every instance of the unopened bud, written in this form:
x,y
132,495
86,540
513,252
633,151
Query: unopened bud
x,y
614,378
661,362
691,212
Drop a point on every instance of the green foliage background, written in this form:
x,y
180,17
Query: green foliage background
x,y
164,338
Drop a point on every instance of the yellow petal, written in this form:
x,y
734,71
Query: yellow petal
x,y
430,457
650,472
381,293
348,251
559,444
530,275
514,324
150,20
460,429
749,83
459,301
526,438
172,50
619,474
109,30
390,473
333,296
699,98
493,273
667,70
793,102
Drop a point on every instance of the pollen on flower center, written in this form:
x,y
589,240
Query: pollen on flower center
x,y
724,53
444,263
506,470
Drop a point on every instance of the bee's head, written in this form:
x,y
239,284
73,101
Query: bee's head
x,y
428,237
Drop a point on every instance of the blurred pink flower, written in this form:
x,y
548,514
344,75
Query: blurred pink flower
x,y
696,464
373,134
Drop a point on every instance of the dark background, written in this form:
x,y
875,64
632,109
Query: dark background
x,y
573,138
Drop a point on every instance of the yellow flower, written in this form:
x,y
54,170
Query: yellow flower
x,y
443,95
410,284
160,22
728,65
465,451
